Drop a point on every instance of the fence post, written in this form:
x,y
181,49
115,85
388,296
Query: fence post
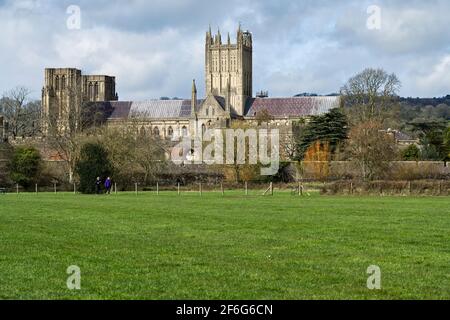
x,y
201,190
221,189
54,187
271,188
178,188
17,188
157,188
246,188
74,188
115,187
409,187
36,188
136,188
351,188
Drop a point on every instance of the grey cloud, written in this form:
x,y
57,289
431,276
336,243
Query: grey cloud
x,y
155,48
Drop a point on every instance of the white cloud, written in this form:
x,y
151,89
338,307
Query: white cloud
x,y
438,79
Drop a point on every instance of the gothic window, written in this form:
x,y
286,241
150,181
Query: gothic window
x,y
57,83
203,128
63,83
96,91
207,112
170,132
184,131
142,131
91,91
156,131
213,111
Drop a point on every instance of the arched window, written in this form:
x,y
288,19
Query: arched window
x,y
184,131
57,83
63,83
91,91
213,112
96,91
170,132
207,112
142,131
203,128
156,131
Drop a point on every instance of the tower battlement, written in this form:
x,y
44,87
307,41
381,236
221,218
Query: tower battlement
x,y
230,64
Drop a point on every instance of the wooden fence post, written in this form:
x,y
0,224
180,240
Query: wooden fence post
x,y
136,188
115,187
74,188
221,189
178,188
54,186
157,188
246,188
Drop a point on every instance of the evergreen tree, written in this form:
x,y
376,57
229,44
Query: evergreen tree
x,y
25,166
331,128
93,162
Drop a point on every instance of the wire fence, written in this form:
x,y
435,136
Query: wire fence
x,y
348,188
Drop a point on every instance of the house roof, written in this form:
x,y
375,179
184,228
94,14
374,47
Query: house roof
x,y
291,107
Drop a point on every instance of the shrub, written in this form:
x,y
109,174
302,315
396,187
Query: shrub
x,y
93,162
25,166
412,153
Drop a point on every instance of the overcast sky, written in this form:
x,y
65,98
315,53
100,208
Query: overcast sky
x,y
155,48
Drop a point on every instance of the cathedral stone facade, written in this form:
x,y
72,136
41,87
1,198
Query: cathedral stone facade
x,y
66,89
229,96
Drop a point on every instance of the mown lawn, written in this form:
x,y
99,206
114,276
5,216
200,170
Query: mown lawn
x,y
232,247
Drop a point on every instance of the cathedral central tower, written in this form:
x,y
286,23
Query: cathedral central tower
x,y
229,67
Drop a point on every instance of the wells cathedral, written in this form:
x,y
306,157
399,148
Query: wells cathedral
x,y
229,96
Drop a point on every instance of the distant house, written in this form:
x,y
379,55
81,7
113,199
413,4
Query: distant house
x,y
402,139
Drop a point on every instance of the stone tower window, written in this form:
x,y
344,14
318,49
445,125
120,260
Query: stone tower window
x,y
170,132
57,83
184,131
63,83
96,91
156,131
91,91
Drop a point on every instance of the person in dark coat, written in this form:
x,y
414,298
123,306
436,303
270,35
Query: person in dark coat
x,y
108,185
98,185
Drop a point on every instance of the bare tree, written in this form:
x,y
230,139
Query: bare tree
x,y
64,130
22,115
371,149
370,93
135,153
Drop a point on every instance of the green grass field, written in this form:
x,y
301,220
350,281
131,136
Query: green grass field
x,y
232,247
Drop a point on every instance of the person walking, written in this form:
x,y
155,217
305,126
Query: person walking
x,y
108,185
98,184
